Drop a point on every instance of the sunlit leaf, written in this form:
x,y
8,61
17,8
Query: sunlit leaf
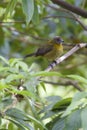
x,y
44,73
10,8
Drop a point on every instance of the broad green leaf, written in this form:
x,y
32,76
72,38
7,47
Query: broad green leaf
x,y
28,9
73,106
39,124
59,125
78,96
16,123
53,99
24,124
19,117
49,114
84,118
16,113
73,121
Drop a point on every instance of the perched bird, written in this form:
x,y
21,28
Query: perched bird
x,y
51,50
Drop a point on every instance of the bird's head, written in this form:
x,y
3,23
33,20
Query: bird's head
x,y
58,40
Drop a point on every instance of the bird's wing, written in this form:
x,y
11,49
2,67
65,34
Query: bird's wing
x,y
43,50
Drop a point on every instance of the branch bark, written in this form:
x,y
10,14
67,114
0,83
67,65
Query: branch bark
x,y
70,7
65,56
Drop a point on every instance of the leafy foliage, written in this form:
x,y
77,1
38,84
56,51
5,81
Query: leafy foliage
x,y
31,98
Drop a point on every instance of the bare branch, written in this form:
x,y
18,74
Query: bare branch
x,y
70,7
71,15
66,83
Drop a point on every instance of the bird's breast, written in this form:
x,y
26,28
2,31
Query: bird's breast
x,y
55,52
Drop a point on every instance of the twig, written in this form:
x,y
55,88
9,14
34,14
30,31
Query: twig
x,y
67,83
2,22
78,20
58,16
70,7
12,29
65,56
72,16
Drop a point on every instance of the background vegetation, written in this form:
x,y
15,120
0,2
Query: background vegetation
x,y
57,101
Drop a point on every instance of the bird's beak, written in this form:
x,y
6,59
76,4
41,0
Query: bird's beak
x,y
61,41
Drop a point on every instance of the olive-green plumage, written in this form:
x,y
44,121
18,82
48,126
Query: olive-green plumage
x,y
51,50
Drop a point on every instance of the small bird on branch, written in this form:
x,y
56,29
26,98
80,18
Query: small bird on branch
x,y
51,50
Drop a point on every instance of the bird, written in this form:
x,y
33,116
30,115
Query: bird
x,y
51,50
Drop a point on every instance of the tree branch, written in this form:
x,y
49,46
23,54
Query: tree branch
x,y
67,83
70,7
65,56
71,15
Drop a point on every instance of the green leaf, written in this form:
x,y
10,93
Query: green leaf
x,y
76,101
4,60
13,77
19,117
28,9
73,106
43,86
35,18
62,103
22,65
18,114
24,124
4,69
16,123
73,121
13,61
78,96
44,73
84,118
59,125
51,100
3,85
78,78
26,93
10,8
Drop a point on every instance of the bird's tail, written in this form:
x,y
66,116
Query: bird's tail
x,y
29,55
